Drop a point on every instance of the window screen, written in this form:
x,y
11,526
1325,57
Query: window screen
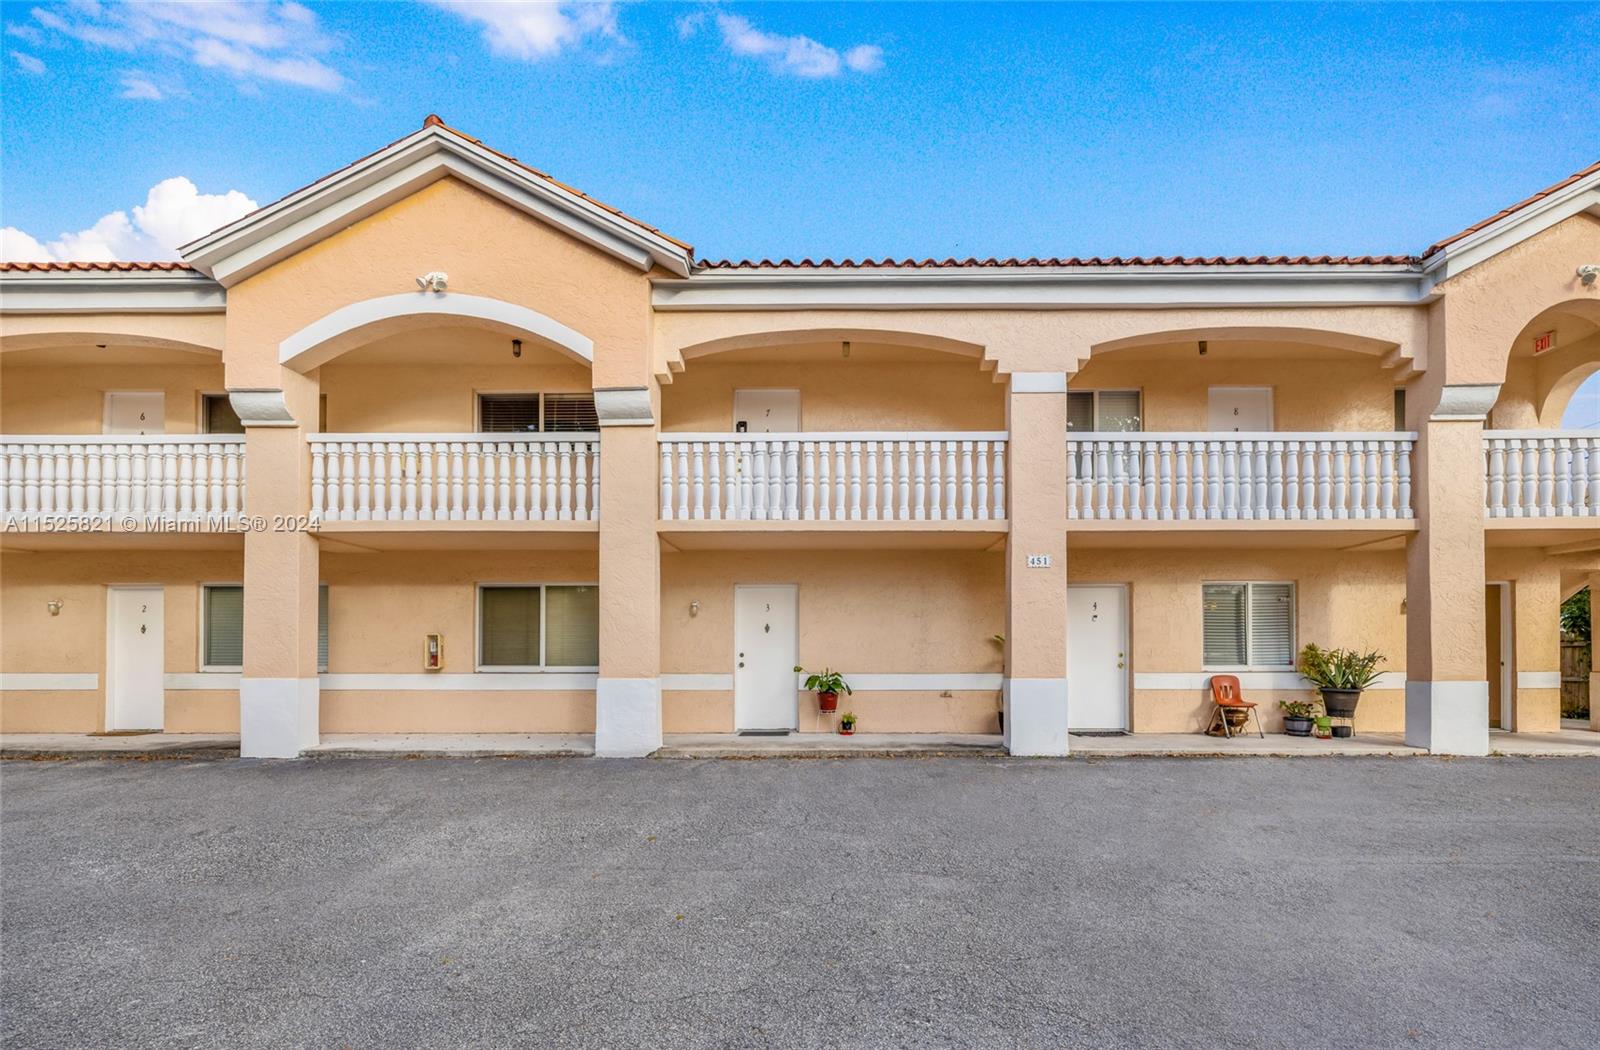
x,y
508,413
570,412
223,643
219,416
1116,411
322,628
508,627
1080,410
1248,624
572,626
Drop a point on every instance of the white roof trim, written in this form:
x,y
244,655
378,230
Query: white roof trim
x,y
309,347
821,289
109,291
279,230
1581,196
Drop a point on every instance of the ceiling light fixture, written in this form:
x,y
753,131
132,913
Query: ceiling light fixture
x,y
1202,348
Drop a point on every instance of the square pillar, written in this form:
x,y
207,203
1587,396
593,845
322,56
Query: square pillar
x,y
1034,692
627,717
279,692
1536,670
1447,693
1594,668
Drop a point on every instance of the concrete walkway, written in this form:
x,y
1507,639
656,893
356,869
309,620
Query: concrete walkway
x,y
1567,742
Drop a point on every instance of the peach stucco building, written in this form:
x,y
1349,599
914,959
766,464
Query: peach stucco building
x,y
440,444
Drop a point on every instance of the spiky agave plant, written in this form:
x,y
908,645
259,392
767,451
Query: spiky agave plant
x,y
1339,668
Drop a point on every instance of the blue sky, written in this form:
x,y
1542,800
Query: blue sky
x,y
764,129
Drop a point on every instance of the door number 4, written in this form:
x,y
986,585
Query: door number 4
x,y
1038,561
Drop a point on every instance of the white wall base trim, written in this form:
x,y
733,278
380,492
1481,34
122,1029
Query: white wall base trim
x,y
1036,715
278,717
1277,680
1448,718
861,683
1538,679
202,680
627,717
483,681
16,683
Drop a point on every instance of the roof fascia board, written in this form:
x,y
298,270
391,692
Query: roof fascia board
x,y
368,186
99,293
1053,291
1581,196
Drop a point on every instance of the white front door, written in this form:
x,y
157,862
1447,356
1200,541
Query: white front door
x,y
135,693
1240,408
135,412
766,411
765,644
1097,657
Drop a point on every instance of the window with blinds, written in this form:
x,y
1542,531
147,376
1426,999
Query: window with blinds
x,y
532,413
1112,411
554,627
1248,624
222,628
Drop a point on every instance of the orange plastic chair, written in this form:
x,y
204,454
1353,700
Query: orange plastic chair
x,y
1226,696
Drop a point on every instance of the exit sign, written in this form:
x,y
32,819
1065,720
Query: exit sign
x,y
1544,341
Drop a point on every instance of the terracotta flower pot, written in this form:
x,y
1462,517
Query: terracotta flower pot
x,y
828,701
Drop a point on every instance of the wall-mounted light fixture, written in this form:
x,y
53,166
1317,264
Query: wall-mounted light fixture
x,y
54,605
433,281
694,608
516,348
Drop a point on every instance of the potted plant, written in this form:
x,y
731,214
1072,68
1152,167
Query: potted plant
x,y
1341,675
827,684
847,724
1298,716
1324,728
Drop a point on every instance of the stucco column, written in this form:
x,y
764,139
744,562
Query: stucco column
x,y
1035,687
628,693
1536,673
1447,695
279,696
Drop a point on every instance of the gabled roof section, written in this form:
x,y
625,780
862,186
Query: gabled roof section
x,y
1575,194
1074,263
396,171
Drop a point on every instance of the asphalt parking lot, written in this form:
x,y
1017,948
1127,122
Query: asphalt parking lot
x,y
776,903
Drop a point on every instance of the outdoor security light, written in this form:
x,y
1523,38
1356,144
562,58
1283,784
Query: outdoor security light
x,y
1589,274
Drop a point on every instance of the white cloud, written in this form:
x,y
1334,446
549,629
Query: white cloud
x,y
253,42
536,29
137,85
23,31
28,63
796,55
174,212
689,24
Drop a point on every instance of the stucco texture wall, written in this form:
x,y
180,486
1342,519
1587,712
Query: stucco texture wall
x,y
1345,599
377,399
863,612
34,642
70,398
382,606
1349,393
950,393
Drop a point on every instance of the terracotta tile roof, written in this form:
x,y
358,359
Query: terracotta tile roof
x,y
433,120
96,267
1497,216
1035,263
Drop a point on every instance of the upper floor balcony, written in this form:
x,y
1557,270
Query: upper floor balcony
x,y
1542,488
122,482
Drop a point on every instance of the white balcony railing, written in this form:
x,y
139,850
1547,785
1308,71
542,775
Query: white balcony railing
x,y
1228,477
455,477
128,478
1541,473
883,476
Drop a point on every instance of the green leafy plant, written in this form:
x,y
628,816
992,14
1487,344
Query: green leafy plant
x,y
1339,668
1575,616
826,680
1299,708
847,721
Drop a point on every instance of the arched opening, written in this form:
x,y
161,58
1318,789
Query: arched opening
x,y
1549,360
84,383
